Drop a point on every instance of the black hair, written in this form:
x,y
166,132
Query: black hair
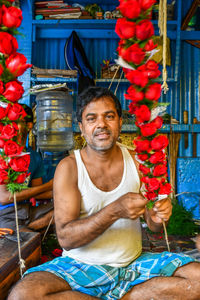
x,y
29,116
93,93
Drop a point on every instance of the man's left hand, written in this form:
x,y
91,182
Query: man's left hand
x,y
161,211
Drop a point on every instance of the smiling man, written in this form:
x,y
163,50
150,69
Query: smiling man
x,y
98,206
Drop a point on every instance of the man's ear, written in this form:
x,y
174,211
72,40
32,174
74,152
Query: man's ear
x,y
81,127
120,123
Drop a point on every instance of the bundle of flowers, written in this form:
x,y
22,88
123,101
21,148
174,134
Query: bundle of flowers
x,y
135,50
14,162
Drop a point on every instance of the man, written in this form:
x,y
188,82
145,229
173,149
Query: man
x,y
97,210
35,218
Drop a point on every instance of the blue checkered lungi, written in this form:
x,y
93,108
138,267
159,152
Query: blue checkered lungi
x,y
108,282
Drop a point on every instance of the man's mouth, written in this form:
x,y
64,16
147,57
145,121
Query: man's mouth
x,y
102,135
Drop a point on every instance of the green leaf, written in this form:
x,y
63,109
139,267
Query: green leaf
x,y
164,104
150,204
15,187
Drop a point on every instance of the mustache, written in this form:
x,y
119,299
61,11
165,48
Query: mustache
x,y
100,131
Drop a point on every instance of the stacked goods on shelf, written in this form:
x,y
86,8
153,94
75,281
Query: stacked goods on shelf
x,y
38,72
56,10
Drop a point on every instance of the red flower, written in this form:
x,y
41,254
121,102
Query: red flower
x,y
165,189
3,177
132,54
146,4
157,122
157,157
141,145
57,252
152,184
148,129
16,64
159,170
150,45
3,164
12,149
152,69
1,87
9,131
144,30
1,69
144,169
137,77
142,113
2,143
159,142
143,157
153,92
131,107
3,112
44,259
133,94
1,127
130,9
125,29
16,112
151,196
21,177
13,90
8,43
21,163
11,16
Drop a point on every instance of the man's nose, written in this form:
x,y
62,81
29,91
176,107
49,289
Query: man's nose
x,y
102,122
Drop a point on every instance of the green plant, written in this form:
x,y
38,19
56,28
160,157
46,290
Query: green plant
x,y
181,222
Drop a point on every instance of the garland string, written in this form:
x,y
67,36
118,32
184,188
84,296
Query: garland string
x,y
21,260
162,24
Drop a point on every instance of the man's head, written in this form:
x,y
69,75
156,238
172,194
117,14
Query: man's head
x,y
94,93
99,118
26,124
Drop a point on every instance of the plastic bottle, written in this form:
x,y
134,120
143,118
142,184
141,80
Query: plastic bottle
x,y
54,121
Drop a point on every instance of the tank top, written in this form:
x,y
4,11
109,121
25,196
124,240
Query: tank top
x,y
121,243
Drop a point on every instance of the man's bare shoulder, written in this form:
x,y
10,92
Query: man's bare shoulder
x,y
67,167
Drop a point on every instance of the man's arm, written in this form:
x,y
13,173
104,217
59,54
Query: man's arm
x,y
161,211
74,232
33,191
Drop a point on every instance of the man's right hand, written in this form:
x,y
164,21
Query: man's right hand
x,y
4,195
131,205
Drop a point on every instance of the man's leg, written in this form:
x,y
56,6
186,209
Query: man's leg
x,y
45,286
183,285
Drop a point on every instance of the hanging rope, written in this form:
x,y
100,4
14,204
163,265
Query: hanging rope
x,y
21,261
162,24
118,83
115,74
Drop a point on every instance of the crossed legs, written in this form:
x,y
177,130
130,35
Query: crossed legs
x,y
183,285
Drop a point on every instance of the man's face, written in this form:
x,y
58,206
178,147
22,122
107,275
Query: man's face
x,y
101,124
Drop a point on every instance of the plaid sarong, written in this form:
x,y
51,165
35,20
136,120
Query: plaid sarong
x,y
108,282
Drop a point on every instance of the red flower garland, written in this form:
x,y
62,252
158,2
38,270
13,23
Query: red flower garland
x,y
135,48
14,162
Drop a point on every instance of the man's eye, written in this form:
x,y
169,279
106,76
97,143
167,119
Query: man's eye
x,y
110,117
91,119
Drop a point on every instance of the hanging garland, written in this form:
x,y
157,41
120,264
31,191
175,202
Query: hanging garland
x,y
135,50
14,162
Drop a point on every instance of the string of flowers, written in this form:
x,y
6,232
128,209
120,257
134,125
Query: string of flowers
x,y
135,50
14,162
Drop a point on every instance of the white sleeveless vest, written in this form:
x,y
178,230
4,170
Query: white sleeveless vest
x,y
121,243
